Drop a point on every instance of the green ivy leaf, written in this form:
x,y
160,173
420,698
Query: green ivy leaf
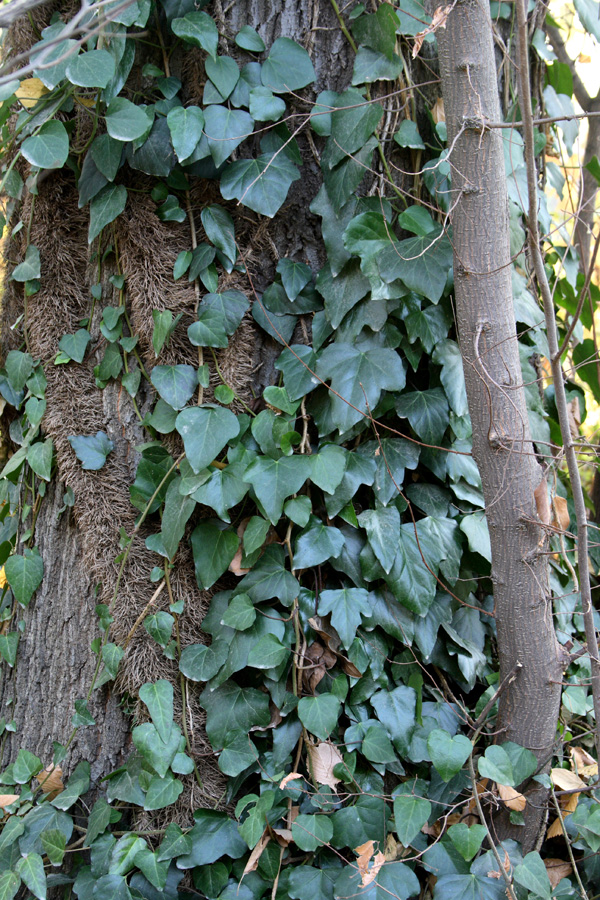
x,y
352,123
39,457
342,292
223,490
54,843
158,697
408,135
383,531
160,754
371,66
260,184
355,373
24,574
410,814
49,148
199,29
29,269
214,835
186,125
274,480
25,766
495,764
240,614
225,130
201,663
317,543
75,345
224,74
447,355
249,39
125,121
175,384
105,207
365,820
156,157
310,833
467,839
91,450
427,412
287,67
8,647
30,868
297,364
232,708
422,263
269,578
533,875
205,431
346,606
149,864
448,754
95,68
82,718
319,714
267,653
213,547
264,105
175,843
395,879
469,887
396,710
220,231
162,792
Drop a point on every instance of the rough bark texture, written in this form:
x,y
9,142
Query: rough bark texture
x,y
501,438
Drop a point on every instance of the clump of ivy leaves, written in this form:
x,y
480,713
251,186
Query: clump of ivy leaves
x,y
362,782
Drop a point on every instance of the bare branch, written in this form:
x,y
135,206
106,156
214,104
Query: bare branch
x,y
13,11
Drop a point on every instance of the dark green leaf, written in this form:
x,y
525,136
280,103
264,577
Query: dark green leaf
x,y
220,231
162,792
297,364
422,263
410,814
232,708
319,714
8,647
199,29
248,39
264,105
408,135
160,754
261,184
311,832
125,121
158,697
92,69
396,711
205,431
533,875
346,606
370,66
201,663
225,130
317,543
175,843
267,653
294,275
287,67
237,754
427,412
224,74
352,124
105,207
54,844
240,615
213,548
30,868
365,820
448,754
467,839
223,490
214,835
269,578
49,148
274,480
393,880
39,457
175,384
24,574
75,345
186,125
343,292
25,766
28,269
156,157
91,450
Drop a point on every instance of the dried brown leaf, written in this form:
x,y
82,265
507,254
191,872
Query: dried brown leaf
x,y
438,21
323,757
562,518
555,830
256,854
542,503
365,852
557,869
580,758
511,798
291,777
7,799
565,780
51,781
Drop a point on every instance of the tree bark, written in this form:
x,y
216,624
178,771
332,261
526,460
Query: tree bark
x,y
528,708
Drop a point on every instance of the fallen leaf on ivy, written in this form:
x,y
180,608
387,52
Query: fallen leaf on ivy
x,y
30,92
557,869
51,781
438,21
391,848
323,757
511,798
283,836
555,830
561,518
565,780
256,854
7,799
331,639
365,853
542,503
581,759
291,777
3,581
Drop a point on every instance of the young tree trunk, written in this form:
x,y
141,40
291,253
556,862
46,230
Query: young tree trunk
x,y
502,447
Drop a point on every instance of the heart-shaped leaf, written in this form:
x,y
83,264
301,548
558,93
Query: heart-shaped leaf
x,y
448,754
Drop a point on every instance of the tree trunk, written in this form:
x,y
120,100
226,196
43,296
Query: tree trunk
x,y
528,707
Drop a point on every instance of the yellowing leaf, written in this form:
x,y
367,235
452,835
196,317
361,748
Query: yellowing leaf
x,y
89,102
30,92
3,581
511,798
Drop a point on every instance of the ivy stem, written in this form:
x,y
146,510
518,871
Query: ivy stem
x,y
190,213
343,28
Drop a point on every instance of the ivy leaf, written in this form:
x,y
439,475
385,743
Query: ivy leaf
x,y
427,412
294,275
308,883
467,839
343,292
367,235
49,148
346,606
317,543
240,614
79,783
19,366
39,457
201,663
91,450
24,574
383,530
319,714
495,764
269,578
267,653
205,431
408,135
162,792
175,843
8,647
423,264
447,355
213,547
328,467
186,125
92,69
175,384
223,490
352,123
232,708
260,184
237,754
287,67
30,868
199,29
264,105
274,480
249,39
365,820
310,833
225,130
149,864
105,207
215,834
298,364
469,887
370,66
125,121
412,582
158,697
410,814
156,157
224,74
75,345
355,373
160,754
54,843
220,231
533,875
393,879
25,766
29,268
396,710
448,754
429,325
